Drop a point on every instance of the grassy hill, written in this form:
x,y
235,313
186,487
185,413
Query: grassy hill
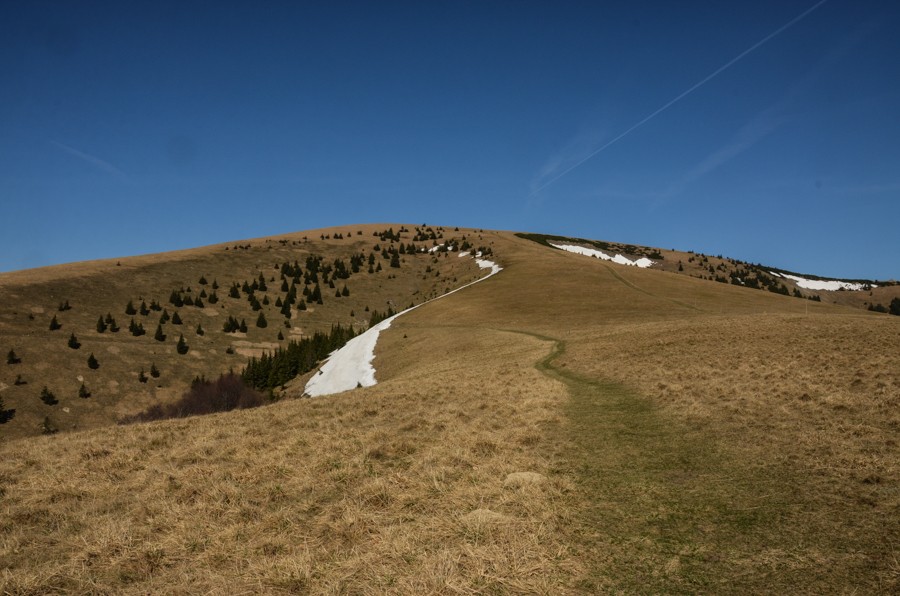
x,y
567,426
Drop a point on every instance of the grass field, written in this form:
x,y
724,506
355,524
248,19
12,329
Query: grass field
x,y
567,426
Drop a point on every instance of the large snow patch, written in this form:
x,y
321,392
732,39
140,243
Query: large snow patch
x,y
643,262
351,366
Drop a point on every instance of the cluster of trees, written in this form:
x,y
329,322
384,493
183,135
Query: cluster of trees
x,y
275,369
226,393
893,309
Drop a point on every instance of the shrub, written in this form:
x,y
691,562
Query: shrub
x,y
894,308
226,393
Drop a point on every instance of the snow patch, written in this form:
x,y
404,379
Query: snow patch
x,y
351,366
643,262
828,285
464,253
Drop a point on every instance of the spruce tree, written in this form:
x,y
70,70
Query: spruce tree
x,y
159,335
83,392
280,335
92,362
154,372
54,324
6,415
261,320
73,342
243,326
199,329
181,347
142,378
213,298
144,310
47,397
101,326
164,317
176,320
11,358
129,309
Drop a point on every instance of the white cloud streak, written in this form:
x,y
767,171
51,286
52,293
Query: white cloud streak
x,y
93,160
679,97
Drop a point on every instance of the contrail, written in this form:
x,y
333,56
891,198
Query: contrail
x,y
683,94
100,164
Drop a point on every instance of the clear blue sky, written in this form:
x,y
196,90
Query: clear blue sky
x,y
136,127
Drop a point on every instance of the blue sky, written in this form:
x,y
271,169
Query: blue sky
x,y
136,127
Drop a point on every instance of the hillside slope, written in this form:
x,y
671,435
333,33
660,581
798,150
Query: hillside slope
x,y
568,425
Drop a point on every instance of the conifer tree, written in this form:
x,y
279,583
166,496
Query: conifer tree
x,y
213,298
176,320
202,281
164,316
73,342
243,326
12,358
345,292
215,285
101,326
47,397
261,320
92,362
19,381
198,303
154,372
181,347
83,392
129,309
159,335
54,324
200,329
280,335
144,310
142,378
6,415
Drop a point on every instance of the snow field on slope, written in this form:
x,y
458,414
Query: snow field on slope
x,y
351,366
643,262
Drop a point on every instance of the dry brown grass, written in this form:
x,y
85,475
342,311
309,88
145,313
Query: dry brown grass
x,y
695,437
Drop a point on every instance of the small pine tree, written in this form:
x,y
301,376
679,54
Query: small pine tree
x,y
12,358
101,326
19,381
92,362
83,392
243,326
215,285
154,372
5,415
261,321
345,291
144,310
280,335
181,347
159,335
54,324
142,378
47,397
202,281
176,320
129,309
199,329
73,342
